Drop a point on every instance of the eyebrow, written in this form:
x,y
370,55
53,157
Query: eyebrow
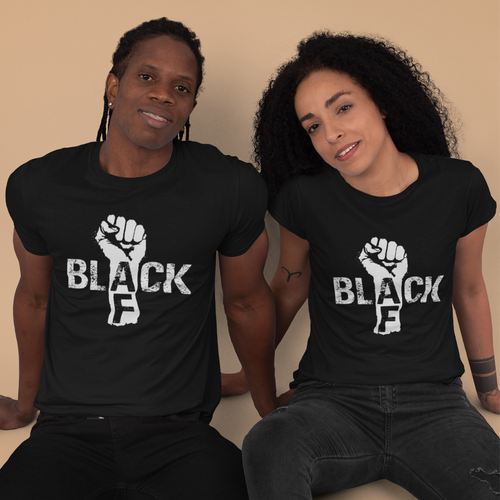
x,y
156,68
328,103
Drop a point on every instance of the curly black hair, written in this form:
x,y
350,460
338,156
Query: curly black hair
x,y
417,117
127,45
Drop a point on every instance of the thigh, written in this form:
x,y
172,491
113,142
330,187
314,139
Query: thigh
x,y
58,461
323,441
444,448
184,460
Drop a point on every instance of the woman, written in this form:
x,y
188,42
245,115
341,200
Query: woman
x,y
382,230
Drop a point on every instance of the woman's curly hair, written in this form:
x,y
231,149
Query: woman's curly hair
x,y
416,115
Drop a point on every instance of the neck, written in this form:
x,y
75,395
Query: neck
x,y
133,161
391,175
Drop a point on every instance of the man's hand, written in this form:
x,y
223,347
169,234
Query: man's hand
x,y
10,415
234,384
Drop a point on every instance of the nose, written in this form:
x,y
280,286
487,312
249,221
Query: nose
x,y
162,93
332,132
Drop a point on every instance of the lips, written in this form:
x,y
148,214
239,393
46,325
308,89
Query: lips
x,y
156,118
343,152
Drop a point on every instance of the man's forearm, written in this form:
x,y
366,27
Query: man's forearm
x,y
252,333
29,320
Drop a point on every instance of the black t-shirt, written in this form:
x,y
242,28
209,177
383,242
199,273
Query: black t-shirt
x,y
382,269
131,326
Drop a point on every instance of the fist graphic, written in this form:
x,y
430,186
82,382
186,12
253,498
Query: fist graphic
x,y
386,262
122,239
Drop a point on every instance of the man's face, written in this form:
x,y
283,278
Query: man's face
x,y
155,96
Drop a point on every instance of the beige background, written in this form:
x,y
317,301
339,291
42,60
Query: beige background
x,y
55,55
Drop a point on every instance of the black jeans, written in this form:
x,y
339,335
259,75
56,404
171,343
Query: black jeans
x,y
73,458
427,438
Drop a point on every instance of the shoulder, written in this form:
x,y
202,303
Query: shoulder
x,y
456,173
208,159
445,165
322,182
205,153
40,168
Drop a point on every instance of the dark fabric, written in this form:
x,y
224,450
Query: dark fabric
x,y
382,316
123,459
131,327
426,438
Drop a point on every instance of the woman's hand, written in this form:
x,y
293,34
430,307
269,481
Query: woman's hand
x,y
286,397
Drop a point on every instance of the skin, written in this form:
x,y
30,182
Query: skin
x,y
336,113
160,79
30,304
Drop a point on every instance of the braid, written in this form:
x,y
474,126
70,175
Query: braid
x,y
106,116
126,47
181,132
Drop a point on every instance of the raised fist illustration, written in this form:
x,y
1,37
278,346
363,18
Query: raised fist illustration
x,y
386,262
123,242
121,239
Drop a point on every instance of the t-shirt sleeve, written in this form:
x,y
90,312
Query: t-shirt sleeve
x,y
19,204
286,208
247,223
481,206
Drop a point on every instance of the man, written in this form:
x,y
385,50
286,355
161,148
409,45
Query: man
x,y
116,243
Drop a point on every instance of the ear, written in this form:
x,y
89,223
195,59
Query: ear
x,y
194,105
112,84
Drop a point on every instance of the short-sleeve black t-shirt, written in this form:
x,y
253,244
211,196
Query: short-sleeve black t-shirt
x,y
380,297
131,328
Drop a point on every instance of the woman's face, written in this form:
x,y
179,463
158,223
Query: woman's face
x,y
345,126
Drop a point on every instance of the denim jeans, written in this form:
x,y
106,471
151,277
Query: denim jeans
x,y
426,438
77,458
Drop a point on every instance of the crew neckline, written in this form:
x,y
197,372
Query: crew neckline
x,y
130,182
384,199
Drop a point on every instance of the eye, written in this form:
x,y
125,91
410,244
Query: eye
x,y
344,108
310,130
145,77
183,89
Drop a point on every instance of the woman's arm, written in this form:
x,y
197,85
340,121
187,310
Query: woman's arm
x,y
470,300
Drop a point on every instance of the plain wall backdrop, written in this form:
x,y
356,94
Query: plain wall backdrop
x,y
55,56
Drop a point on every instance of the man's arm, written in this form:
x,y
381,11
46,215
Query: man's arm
x,y
290,287
249,307
470,300
30,304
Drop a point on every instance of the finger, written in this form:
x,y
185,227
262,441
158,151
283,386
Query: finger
x,y
107,228
370,249
120,224
139,233
129,230
400,253
382,244
391,250
111,219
